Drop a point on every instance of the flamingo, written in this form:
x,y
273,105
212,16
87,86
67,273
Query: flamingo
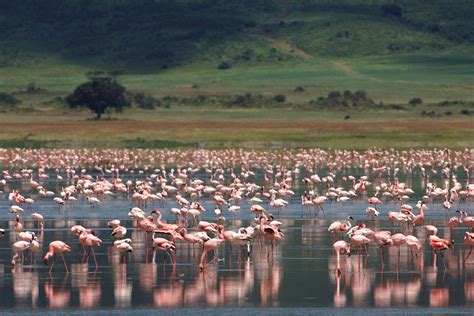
x,y
341,247
164,226
57,247
165,245
118,230
271,233
15,209
438,245
455,221
339,226
374,201
361,241
469,241
18,248
92,201
414,244
382,238
398,240
60,202
123,246
371,211
40,219
90,240
468,221
210,245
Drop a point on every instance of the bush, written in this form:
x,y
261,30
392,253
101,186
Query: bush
x,y
146,101
32,87
299,89
224,65
415,101
391,10
280,98
8,100
466,112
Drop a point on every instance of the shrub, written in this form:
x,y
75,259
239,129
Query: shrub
x,y
299,89
32,87
415,101
280,98
9,100
146,101
391,10
224,65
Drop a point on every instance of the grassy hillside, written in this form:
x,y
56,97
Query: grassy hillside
x,y
171,49
149,35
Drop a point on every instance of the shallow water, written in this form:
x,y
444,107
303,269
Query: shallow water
x,y
300,273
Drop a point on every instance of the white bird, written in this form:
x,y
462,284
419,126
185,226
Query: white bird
x,y
15,209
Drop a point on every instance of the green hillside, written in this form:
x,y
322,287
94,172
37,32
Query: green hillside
x,y
395,50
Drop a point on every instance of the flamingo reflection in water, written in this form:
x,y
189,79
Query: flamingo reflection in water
x,y
25,285
57,297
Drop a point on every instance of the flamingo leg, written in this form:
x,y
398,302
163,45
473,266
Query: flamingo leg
x,y
64,261
444,262
470,250
202,264
171,258
95,259
398,258
382,255
52,265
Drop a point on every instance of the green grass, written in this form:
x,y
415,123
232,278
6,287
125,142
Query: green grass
x,y
447,76
172,48
251,128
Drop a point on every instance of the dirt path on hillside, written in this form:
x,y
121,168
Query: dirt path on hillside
x,y
288,48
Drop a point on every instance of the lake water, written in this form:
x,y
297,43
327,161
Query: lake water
x,y
297,278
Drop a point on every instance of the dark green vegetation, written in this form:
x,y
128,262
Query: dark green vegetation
x,y
149,35
352,71
98,94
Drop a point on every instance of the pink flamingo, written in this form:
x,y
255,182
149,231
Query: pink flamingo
x,y
382,238
374,201
210,245
57,247
18,248
397,240
439,244
341,247
468,240
165,245
340,227
90,240
361,241
271,233
164,226
148,226
414,244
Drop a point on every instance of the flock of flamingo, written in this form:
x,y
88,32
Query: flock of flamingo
x,y
261,183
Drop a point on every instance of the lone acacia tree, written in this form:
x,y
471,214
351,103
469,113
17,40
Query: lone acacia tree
x,y
99,93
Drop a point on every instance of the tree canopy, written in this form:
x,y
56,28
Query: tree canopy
x,y
98,94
